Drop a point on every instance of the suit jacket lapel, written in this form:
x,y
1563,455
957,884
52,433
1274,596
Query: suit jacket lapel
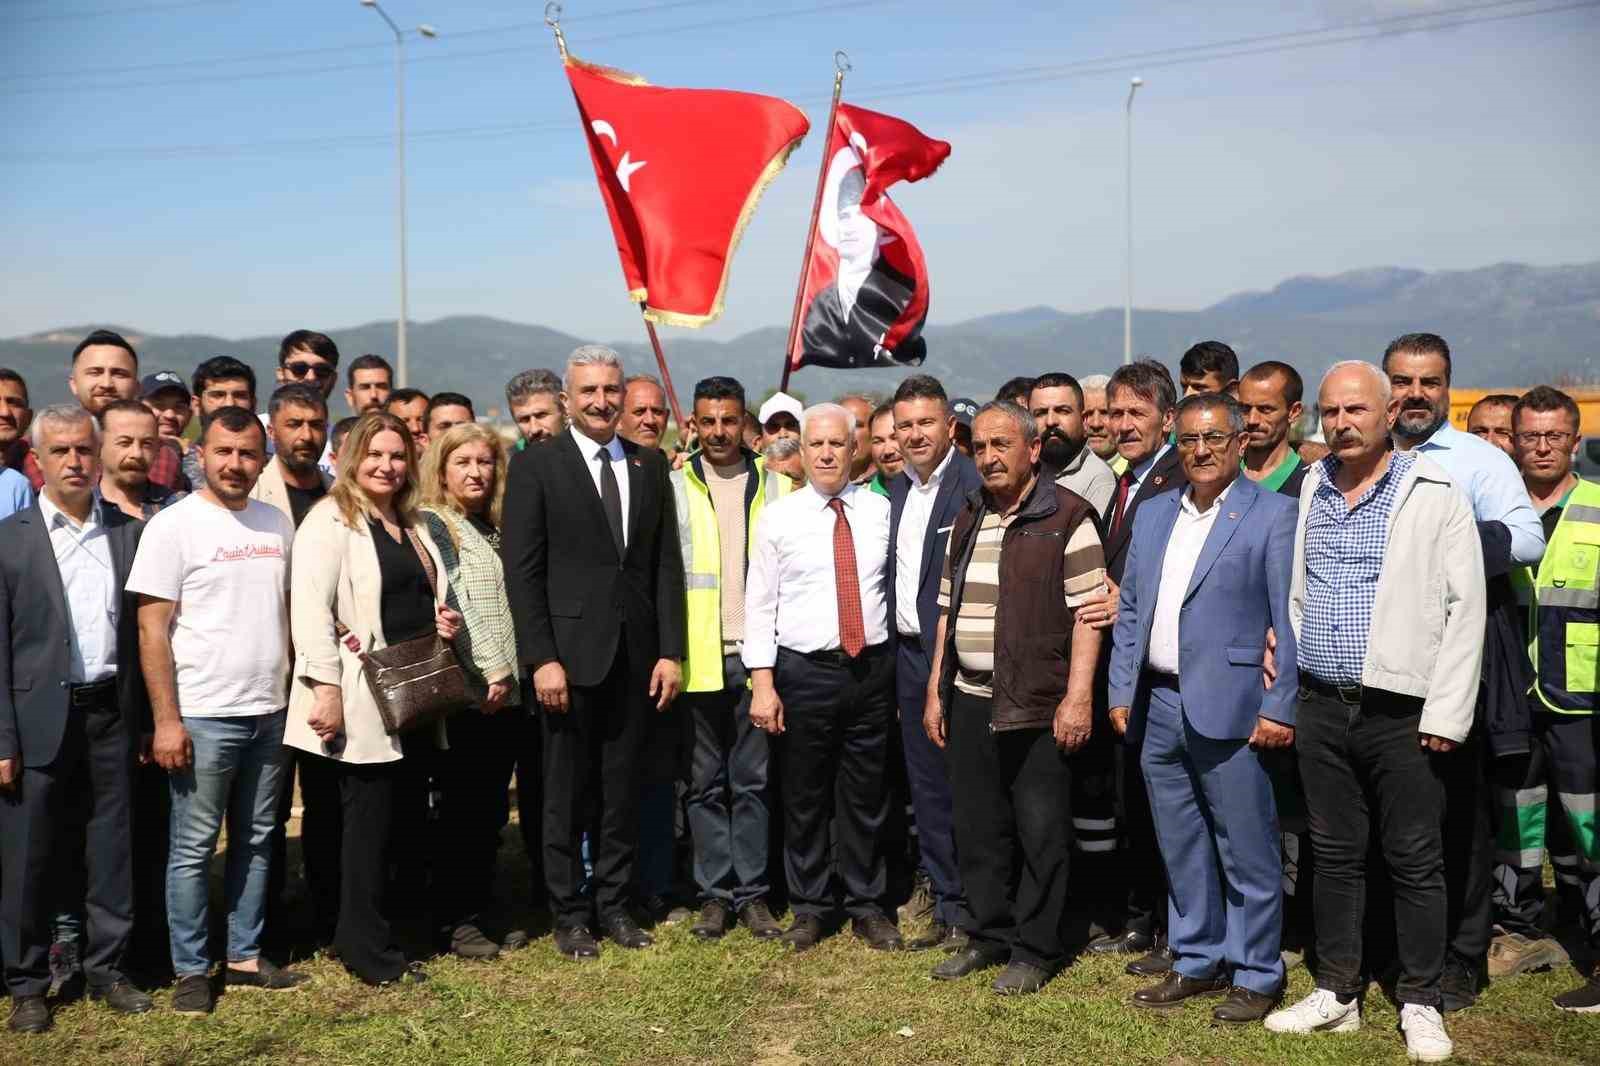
x,y
636,490
45,554
1150,571
946,500
1231,511
583,485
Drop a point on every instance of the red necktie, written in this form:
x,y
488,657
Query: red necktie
x,y
852,630
1123,484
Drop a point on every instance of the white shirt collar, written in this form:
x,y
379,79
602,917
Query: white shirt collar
x,y
938,471
1145,467
587,444
51,513
1186,501
847,494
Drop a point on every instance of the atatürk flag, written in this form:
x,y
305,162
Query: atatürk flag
x,y
680,171
866,289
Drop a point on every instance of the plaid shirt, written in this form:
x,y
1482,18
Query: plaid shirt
x,y
487,645
1344,549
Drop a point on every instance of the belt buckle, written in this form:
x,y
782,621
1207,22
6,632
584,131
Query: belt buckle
x,y
1350,694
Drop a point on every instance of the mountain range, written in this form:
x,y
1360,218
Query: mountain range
x,y
1507,324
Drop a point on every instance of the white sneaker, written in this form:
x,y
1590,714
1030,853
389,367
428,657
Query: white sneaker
x,y
1320,1012
1425,1036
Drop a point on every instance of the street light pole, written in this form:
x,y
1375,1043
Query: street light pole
x,y
1127,305
401,374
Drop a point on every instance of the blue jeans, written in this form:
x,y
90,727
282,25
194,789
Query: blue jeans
x,y
237,772
727,801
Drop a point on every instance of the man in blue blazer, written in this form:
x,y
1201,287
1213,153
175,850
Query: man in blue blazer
x,y
1207,576
924,500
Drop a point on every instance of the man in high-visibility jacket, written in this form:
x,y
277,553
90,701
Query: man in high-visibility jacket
x,y
1562,596
720,491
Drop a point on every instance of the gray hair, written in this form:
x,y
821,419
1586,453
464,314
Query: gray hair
x,y
62,416
829,410
590,355
781,448
1095,381
647,379
1385,390
530,383
1211,401
1026,426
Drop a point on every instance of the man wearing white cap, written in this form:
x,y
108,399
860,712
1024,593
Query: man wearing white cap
x,y
779,417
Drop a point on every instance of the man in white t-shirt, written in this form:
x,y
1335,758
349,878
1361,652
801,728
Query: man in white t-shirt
x,y
212,578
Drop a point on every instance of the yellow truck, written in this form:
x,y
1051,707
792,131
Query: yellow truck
x,y
1461,401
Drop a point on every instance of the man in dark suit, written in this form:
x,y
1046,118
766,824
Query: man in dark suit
x,y
1207,575
595,580
1140,401
924,500
73,714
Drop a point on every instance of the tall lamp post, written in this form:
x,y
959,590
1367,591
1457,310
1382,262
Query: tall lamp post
x,y
1127,305
400,169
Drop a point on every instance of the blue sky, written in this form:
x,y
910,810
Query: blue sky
x,y
224,166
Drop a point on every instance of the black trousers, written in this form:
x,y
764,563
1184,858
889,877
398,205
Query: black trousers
x,y
1144,876
367,805
591,774
1013,831
1468,849
473,778
727,798
529,752
1364,771
150,946
928,774
320,841
836,736
72,815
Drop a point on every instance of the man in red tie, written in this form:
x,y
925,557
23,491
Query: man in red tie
x,y
817,648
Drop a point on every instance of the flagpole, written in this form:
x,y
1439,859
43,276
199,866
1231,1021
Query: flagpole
x,y
841,66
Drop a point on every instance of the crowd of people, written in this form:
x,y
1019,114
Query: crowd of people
x,y
1117,666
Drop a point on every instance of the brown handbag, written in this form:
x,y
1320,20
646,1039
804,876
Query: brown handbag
x,y
416,682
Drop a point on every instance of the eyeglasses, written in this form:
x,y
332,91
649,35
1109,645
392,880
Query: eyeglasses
x,y
1555,438
1215,440
319,370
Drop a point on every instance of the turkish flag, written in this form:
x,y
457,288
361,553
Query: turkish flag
x,y
866,285
680,171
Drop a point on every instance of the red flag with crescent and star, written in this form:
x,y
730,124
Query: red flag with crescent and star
x,y
680,171
866,287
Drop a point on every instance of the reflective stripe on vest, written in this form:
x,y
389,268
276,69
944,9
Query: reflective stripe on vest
x,y
702,577
1564,612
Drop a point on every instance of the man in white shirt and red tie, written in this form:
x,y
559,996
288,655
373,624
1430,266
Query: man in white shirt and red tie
x,y
817,647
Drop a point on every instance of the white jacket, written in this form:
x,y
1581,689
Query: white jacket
x,y
334,574
1429,611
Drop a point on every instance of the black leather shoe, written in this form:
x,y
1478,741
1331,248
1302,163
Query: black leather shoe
x,y
1130,942
878,931
757,917
935,935
1020,979
122,997
1156,963
29,1014
804,933
1459,982
413,974
714,921
968,960
624,932
576,942
1244,1006
193,995
1175,988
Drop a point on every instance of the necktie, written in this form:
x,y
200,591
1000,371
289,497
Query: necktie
x,y
1124,483
852,629
611,499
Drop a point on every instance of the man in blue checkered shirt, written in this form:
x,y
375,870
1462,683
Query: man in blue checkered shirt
x,y
1388,605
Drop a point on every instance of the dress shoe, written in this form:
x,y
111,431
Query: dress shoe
x,y
29,1014
515,940
663,911
714,921
624,932
413,974
192,995
757,917
122,997
1020,979
267,976
468,942
576,942
969,960
878,931
1459,982
1129,942
1244,1006
804,933
933,936
1175,988
1156,963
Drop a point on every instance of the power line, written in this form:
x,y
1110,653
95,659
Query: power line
x,y
1150,59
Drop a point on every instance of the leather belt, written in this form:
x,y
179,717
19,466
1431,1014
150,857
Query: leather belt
x,y
837,657
1346,694
1159,680
94,694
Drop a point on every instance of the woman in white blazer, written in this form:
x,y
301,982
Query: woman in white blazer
x,y
356,562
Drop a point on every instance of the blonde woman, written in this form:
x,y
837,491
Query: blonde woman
x,y
463,479
360,563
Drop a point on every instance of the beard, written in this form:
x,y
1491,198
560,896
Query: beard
x,y
1411,426
1058,450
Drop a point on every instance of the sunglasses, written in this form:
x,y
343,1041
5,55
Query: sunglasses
x,y
301,370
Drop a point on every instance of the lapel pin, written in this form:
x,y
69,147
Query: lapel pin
x,y
1159,480
1233,514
